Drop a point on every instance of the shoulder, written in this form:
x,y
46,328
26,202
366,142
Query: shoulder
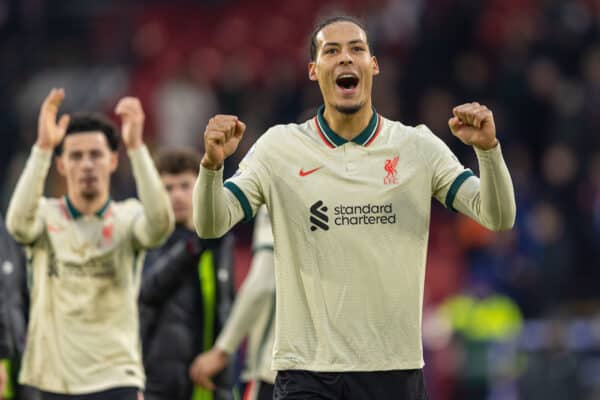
x,y
398,129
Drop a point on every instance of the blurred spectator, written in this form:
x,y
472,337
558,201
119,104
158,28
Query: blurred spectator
x,y
186,293
14,311
480,319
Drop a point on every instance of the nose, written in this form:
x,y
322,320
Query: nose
x,y
345,57
87,162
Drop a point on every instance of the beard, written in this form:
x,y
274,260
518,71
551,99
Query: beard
x,y
349,109
90,194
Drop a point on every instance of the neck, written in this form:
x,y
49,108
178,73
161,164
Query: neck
x,y
189,224
88,207
348,126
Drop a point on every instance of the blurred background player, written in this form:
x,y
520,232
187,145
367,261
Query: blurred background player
x,y
186,292
253,314
349,195
14,310
86,254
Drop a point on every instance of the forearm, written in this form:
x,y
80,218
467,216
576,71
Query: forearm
x,y
256,293
491,199
157,222
216,210
22,216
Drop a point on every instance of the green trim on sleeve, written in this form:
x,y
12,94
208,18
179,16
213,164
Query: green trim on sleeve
x,y
237,192
460,179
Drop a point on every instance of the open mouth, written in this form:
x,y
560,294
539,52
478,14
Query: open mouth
x,y
347,81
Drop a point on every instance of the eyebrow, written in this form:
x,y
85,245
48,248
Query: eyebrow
x,y
355,41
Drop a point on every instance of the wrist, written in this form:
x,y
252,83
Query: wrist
x,y
208,164
487,146
134,145
222,354
44,145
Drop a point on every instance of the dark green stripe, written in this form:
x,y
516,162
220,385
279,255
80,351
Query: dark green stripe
x,y
362,137
72,210
264,247
75,213
455,186
331,135
102,210
237,192
366,134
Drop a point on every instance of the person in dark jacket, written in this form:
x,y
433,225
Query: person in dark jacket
x,y
186,293
14,310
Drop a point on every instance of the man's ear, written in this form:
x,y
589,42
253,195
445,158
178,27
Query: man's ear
x,y
312,73
375,66
114,161
60,165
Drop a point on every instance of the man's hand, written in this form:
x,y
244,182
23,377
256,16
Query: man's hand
x,y
473,124
3,379
207,365
132,117
221,138
50,133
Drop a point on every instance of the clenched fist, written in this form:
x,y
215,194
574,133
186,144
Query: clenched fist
x,y
132,121
473,124
50,133
221,138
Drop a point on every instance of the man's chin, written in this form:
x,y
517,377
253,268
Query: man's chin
x,y
90,195
348,109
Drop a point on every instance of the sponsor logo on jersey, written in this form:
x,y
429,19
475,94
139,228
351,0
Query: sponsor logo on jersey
x,y
391,172
351,215
318,217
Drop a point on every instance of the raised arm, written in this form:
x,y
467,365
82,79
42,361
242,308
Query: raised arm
x,y
22,218
490,200
157,221
217,209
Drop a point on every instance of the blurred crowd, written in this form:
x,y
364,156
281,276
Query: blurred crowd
x,y
535,63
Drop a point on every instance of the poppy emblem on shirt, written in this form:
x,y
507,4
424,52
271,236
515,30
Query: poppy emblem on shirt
x,y
391,172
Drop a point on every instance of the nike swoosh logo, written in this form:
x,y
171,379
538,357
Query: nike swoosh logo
x,y
310,171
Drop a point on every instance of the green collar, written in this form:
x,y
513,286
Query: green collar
x,y
75,213
332,139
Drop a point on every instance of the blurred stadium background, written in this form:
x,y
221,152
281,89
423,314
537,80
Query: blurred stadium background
x,y
513,315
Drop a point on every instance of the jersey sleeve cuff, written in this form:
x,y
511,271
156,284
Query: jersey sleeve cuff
x,y
237,192
458,181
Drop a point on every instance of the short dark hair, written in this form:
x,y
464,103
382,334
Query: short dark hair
x,y
91,122
332,20
177,161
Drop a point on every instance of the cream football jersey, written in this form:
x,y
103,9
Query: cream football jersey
x,y
84,271
350,221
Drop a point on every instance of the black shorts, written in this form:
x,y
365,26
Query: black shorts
x,y
380,385
121,393
265,391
